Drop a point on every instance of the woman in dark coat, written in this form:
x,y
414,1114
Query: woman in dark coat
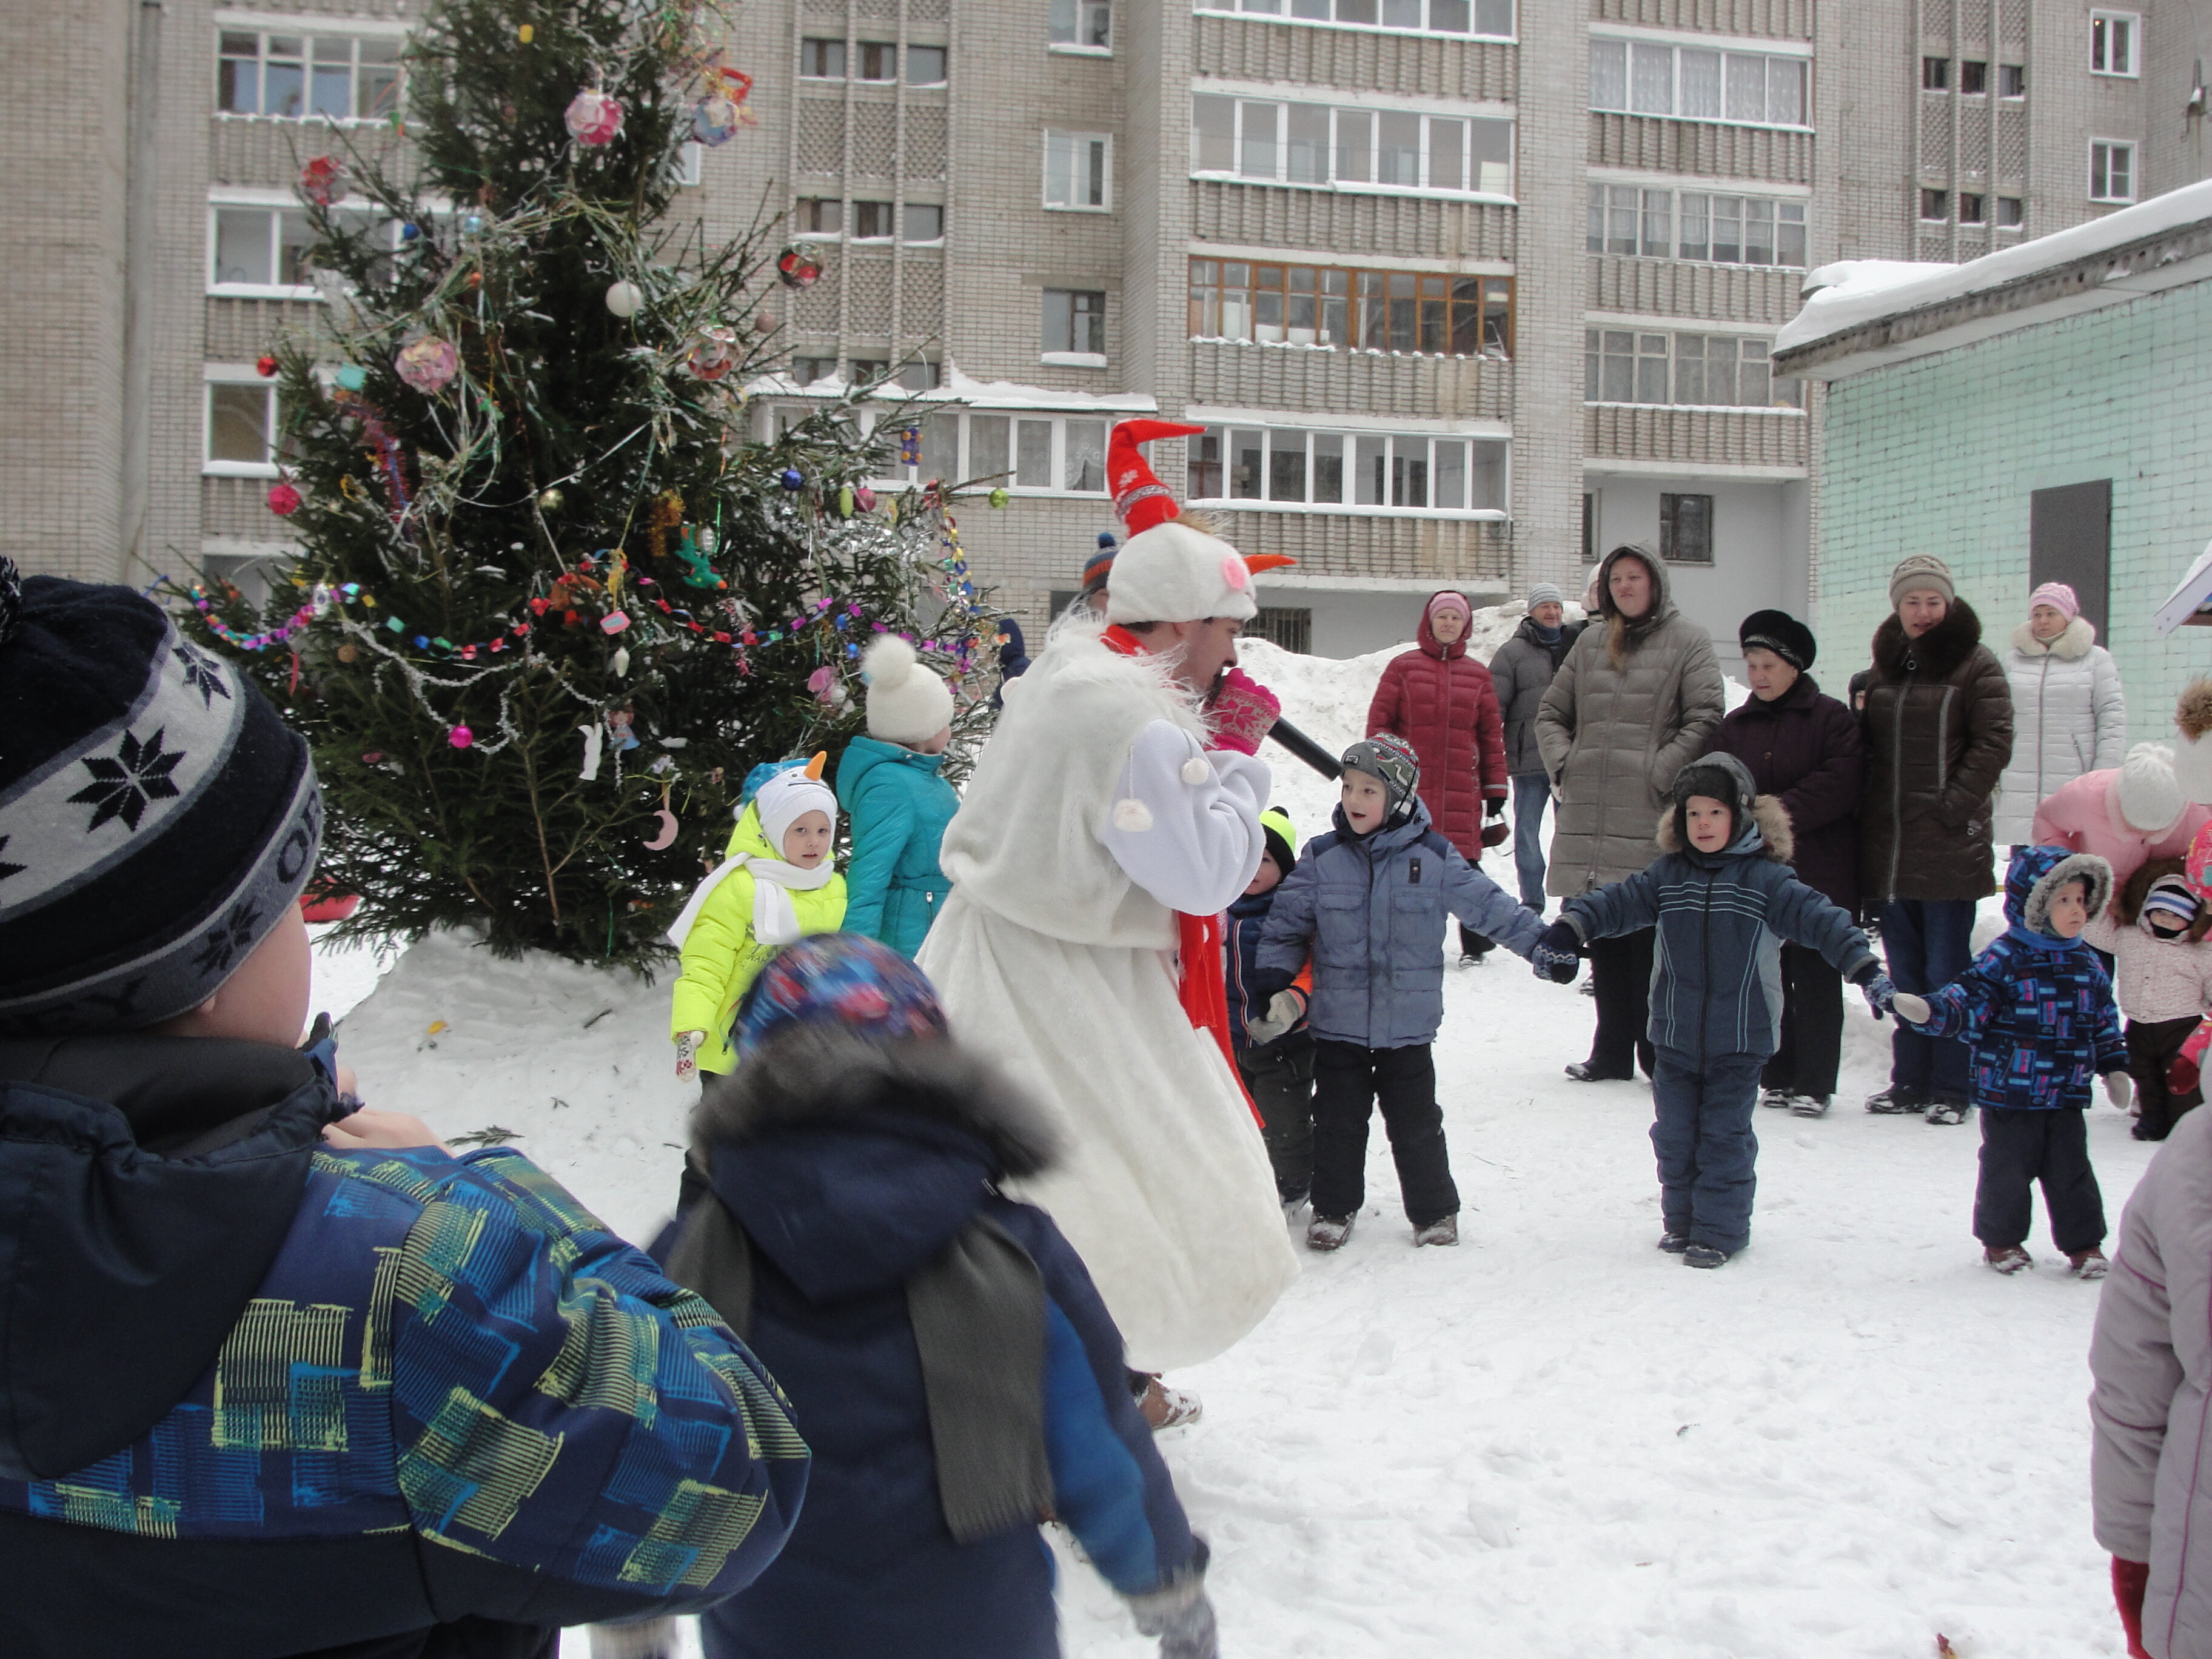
x,y
1442,701
1802,748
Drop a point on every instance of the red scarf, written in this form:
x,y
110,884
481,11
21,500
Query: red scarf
x,y
1205,989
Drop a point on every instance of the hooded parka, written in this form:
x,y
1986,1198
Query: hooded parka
x,y
1441,701
2069,716
1938,725
1613,732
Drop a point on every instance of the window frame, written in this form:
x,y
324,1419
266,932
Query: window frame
x,y
1935,74
1641,333
887,209
936,406
2017,206
2111,146
1072,355
1671,529
2012,80
1974,69
2131,21
907,239
1941,198
239,374
1351,300
1725,48
1678,219
1973,207
354,30
220,203
1284,12
844,57
1282,98
906,65
1391,434
1075,45
1079,141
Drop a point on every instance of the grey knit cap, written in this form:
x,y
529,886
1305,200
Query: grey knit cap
x,y
1545,593
1921,570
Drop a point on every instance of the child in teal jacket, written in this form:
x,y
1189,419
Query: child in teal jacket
x,y
888,784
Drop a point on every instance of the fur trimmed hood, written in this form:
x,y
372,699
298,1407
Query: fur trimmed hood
x,y
1767,817
815,1076
1937,654
2073,643
2192,712
2037,872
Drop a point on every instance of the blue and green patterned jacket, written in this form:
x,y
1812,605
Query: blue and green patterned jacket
x,y
438,1389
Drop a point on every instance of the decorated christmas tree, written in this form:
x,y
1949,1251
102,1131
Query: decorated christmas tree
x,y
555,596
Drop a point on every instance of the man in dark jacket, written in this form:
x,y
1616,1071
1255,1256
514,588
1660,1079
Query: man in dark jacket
x,y
282,1377
1938,727
1520,674
1802,749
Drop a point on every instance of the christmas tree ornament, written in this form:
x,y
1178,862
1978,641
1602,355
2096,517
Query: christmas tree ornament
x,y
846,501
619,721
284,500
410,232
526,34
552,500
865,499
593,736
999,496
349,652
592,119
461,736
623,299
793,478
351,376
714,120
798,266
763,322
320,180
266,366
713,353
472,224
427,364
666,838
622,662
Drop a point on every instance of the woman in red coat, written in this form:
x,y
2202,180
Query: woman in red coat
x,y
1441,701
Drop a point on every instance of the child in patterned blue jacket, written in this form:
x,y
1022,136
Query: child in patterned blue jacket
x,y
2038,1009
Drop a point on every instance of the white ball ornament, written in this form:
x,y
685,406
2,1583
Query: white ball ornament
x,y
623,299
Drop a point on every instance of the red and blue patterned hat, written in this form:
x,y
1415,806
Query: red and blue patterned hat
x,y
846,980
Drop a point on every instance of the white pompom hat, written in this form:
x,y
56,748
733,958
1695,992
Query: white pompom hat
x,y
1170,571
2150,796
907,703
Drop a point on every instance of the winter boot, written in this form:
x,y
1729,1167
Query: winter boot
x,y
1946,1111
1897,1098
2087,1264
1291,1208
1583,1072
1168,1408
1673,1244
1808,1105
1776,1098
1328,1232
1445,1230
2010,1260
1703,1255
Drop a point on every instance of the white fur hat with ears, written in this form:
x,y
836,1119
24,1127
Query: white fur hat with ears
x,y
2150,795
907,703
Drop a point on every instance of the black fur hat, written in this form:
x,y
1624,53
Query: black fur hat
x,y
1781,633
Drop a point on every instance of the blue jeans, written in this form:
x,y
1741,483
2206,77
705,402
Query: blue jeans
x,y
1928,943
1708,1151
1531,790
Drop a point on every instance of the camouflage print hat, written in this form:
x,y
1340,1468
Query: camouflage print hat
x,y
1391,758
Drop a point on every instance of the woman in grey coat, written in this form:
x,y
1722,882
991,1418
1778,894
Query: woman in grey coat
x,y
1638,697
2068,713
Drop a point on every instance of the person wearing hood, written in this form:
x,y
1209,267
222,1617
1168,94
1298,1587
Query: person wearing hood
x,y
1440,699
1520,674
947,1356
1640,695
1724,903
895,799
2037,1011
1938,728
1367,903
1013,658
283,1376
2153,931
1804,749
2069,713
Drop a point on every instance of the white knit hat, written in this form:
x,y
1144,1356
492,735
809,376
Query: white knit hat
x,y
789,796
2150,796
1173,573
907,703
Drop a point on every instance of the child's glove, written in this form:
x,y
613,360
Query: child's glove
x,y
1557,954
2181,1076
1284,1009
2120,1089
1493,833
687,1054
1183,1617
1240,712
2130,1580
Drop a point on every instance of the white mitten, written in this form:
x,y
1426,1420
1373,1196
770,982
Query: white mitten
x,y
2120,1089
1283,1011
1911,1008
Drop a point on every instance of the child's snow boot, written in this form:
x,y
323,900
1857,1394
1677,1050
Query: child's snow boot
x,y
1808,1105
1165,1407
1703,1256
1948,1112
2087,1264
1442,1232
1673,1244
2010,1260
1895,1099
1328,1232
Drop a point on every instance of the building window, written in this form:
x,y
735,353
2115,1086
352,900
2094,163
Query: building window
x,y
822,60
1370,310
1075,322
1078,171
2012,80
1293,467
866,371
807,370
1935,74
337,77
1934,205
259,252
2012,212
1298,143
1743,230
1712,371
1697,83
1489,19
2113,38
243,437
821,215
1082,25
878,60
1281,625
1973,77
873,222
922,374
925,66
1686,529
2111,171
1972,210
1041,454
924,221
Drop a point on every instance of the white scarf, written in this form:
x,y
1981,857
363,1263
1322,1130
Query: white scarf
x,y
774,919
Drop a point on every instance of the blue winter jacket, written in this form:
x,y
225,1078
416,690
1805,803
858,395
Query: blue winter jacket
x,y
2038,1009
258,1396
898,808
1723,919
1372,910
1248,920
850,1166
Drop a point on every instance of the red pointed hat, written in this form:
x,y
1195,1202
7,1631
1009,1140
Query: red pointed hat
x,y
1140,499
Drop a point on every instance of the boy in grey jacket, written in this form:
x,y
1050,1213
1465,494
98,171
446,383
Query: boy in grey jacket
x,y
1369,901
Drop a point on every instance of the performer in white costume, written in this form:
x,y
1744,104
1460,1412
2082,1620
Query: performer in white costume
x,y
1120,790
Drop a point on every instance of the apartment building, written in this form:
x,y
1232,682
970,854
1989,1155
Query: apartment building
x,y
1460,290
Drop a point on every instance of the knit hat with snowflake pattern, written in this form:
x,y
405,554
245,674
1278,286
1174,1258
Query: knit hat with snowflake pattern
x,y
156,817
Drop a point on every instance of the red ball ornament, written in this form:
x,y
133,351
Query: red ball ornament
x,y
593,119
798,266
320,180
461,736
266,366
284,500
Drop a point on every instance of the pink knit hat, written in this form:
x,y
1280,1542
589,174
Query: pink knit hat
x,y
2059,597
1451,601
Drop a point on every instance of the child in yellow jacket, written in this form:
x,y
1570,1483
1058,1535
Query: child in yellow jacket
x,y
774,884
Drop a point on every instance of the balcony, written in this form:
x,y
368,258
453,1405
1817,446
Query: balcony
x,y
1695,438
1348,224
1706,149
1235,374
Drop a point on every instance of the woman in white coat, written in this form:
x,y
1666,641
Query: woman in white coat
x,y
2068,713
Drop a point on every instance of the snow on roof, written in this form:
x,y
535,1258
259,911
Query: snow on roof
x,y
1872,290
971,393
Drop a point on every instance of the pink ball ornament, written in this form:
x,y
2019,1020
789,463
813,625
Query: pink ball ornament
x,y
284,500
865,499
713,353
427,364
593,119
460,737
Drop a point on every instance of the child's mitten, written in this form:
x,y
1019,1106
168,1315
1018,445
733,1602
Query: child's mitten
x,y
687,1056
2130,1580
1493,833
2181,1076
1912,1010
1240,712
1283,1011
1183,1617
1558,953
2120,1089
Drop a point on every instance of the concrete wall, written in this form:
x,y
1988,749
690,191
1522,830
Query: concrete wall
x,y
1939,456
1758,546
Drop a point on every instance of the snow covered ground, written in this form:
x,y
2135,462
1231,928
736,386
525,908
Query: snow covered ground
x,y
1551,1441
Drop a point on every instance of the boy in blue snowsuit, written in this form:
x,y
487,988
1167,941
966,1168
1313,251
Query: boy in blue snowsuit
x,y
1724,901
946,1356
1368,902
2037,1010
